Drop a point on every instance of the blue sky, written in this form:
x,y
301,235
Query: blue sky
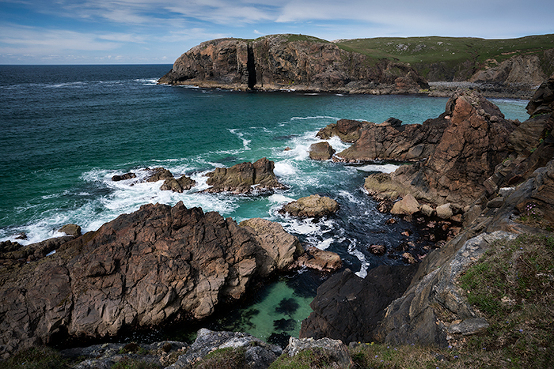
x,y
159,31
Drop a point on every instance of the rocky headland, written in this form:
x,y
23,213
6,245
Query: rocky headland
x,y
290,62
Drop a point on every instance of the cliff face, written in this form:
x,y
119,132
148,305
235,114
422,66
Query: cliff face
x,y
279,62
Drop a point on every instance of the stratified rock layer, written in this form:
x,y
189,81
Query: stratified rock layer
x,y
139,270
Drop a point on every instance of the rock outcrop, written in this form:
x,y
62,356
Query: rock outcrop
x,y
290,62
348,308
170,183
256,354
473,143
391,140
313,206
244,178
321,151
158,264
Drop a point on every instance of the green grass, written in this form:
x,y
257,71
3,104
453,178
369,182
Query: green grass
x,y
36,358
226,358
453,52
308,359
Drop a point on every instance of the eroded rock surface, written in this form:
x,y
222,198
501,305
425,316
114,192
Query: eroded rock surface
x,y
321,151
142,269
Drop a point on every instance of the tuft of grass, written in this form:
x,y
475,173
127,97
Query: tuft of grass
x,y
36,358
129,363
226,358
315,358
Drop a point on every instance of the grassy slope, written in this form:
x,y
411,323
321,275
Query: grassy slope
x,y
421,52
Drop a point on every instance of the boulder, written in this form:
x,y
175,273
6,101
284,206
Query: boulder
x,y
348,308
142,269
71,230
407,206
320,260
313,206
158,174
379,250
445,211
178,185
245,177
321,151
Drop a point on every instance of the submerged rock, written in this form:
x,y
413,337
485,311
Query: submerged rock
x,y
313,206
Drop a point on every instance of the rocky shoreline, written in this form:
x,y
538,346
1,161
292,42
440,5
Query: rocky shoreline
x,y
470,167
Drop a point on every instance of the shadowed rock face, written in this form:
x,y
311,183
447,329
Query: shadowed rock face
x,y
142,269
274,62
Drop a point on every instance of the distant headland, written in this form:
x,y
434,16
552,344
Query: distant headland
x,y
435,66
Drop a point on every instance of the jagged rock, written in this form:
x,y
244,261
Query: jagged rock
x,y
257,354
466,154
277,62
409,258
142,269
346,129
542,101
123,177
178,185
321,151
158,174
334,350
71,230
407,206
241,178
12,253
313,206
348,308
281,246
321,260
391,140
520,69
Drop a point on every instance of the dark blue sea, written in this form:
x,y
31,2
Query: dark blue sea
x,y
66,130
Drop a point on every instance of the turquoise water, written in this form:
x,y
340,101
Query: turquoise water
x,y
66,130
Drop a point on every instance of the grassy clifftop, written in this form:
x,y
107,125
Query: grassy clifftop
x,y
454,53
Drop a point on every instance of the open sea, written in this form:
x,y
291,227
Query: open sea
x,y
66,130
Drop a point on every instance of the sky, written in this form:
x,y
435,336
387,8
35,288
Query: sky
x,y
159,31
